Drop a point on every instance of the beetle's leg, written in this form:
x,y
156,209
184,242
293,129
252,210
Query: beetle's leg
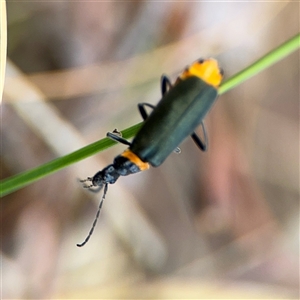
x,y
116,136
197,140
143,112
165,84
177,150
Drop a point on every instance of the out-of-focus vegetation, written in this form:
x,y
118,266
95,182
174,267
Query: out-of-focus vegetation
x,y
221,224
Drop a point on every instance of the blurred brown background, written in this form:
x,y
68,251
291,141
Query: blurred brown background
x,y
222,224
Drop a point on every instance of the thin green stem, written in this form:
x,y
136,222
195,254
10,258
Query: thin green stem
x,y
20,180
261,64
23,179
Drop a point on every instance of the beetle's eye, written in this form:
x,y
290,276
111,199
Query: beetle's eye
x,y
221,72
201,61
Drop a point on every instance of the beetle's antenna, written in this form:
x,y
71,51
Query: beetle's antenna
x,y
96,218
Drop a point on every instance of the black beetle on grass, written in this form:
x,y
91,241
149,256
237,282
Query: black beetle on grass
x,y
180,111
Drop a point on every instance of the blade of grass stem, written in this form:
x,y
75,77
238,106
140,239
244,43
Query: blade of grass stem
x,y
261,64
23,179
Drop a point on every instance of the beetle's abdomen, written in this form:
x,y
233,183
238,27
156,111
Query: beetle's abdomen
x,y
175,117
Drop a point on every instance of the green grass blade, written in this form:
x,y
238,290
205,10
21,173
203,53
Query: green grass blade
x,y
20,180
264,62
23,179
